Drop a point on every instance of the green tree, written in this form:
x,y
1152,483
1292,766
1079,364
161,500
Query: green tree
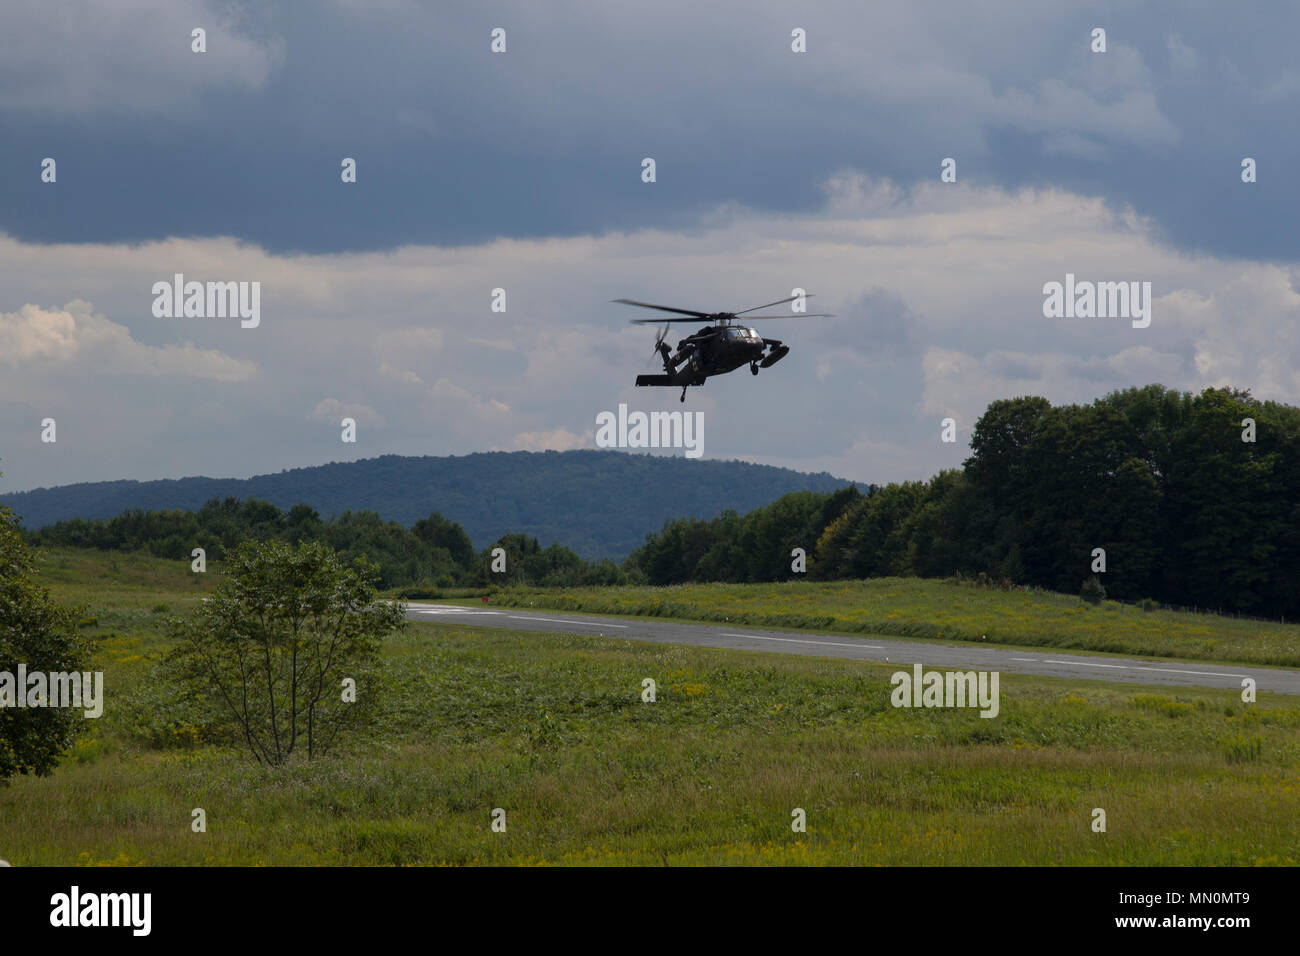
x,y
37,632
934,532
1133,539
673,555
999,473
835,555
269,653
518,548
1224,505
438,532
303,523
880,536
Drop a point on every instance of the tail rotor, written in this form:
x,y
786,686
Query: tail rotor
x,y
661,348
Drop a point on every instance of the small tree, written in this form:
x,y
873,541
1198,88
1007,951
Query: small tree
x,y
1092,590
271,650
43,635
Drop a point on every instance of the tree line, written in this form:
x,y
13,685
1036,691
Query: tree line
x,y
435,552
1192,500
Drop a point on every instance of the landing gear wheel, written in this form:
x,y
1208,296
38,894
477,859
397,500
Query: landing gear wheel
x,y
753,368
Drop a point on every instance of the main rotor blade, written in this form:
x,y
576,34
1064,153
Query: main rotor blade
x,y
661,308
777,302
701,318
795,315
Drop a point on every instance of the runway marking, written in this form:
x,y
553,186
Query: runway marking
x,y
1028,660
449,610
795,640
1131,667
1123,667
456,609
556,620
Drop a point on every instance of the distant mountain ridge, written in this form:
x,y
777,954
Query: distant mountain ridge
x,y
599,503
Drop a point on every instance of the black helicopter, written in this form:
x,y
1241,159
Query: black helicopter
x,y
717,348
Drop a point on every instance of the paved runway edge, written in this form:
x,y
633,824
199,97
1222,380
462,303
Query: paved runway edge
x,y
872,648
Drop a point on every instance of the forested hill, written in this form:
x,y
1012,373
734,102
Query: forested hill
x,y
599,503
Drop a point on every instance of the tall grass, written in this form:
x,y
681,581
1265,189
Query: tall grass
x,y
552,729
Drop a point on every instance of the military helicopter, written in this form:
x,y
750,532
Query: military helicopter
x,y
720,347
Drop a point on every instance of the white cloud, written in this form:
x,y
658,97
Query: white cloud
x,y
961,385
75,340
334,411
406,355
556,439
450,397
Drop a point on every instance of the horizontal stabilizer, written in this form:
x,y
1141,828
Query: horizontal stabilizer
x,y
654,380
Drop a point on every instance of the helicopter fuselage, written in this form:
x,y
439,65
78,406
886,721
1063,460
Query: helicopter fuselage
x,y
716,350
721,346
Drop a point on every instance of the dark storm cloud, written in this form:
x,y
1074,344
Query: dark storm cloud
x,y
455,144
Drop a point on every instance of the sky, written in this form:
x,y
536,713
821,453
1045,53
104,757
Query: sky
x,y
522,170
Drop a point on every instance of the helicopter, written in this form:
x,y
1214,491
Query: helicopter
x,y
722,346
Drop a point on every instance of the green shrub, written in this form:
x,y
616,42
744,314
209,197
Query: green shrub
x,y
419,594
1092,591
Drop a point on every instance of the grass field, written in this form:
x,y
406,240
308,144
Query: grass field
x,y
937,610
552,729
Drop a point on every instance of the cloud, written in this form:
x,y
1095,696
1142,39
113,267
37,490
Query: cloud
x,y
76,340
334,411
961,385
1181,56
540,142
405,354
936,290
71,57
461,401
554,354
556,439
878,324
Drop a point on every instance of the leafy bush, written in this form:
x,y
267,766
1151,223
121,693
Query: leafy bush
x,y
1092,591
42,634
286,649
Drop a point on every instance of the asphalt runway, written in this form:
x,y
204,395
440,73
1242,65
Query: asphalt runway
x,y
905,653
